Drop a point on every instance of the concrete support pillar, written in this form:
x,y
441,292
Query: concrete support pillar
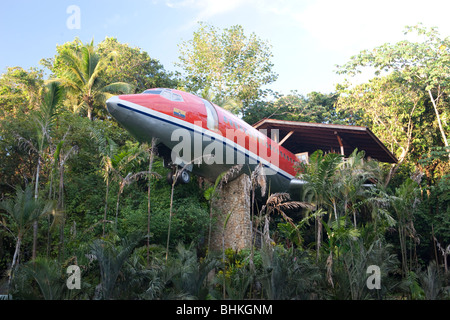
x,y
233,199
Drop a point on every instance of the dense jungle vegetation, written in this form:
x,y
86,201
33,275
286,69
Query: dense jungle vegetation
x,y
77,189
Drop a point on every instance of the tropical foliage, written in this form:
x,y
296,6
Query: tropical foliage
x,y
77,189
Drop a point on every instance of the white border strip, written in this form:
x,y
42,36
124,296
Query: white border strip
x,y
198,129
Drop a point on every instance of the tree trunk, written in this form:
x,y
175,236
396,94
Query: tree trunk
x,y
210,225
434,245
170,213
319,237
90,104
15,260
444,137
117,204
402,236
89,113
35,223
150,166
252,237
445,261
106,205
50,197
61,210
16,253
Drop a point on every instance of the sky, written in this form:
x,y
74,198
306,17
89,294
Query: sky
x,y
308,37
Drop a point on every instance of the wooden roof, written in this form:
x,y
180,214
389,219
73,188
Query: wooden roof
x,y
308,137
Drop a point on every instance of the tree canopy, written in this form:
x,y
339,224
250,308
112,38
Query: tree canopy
x,y
228,62
421,66
134,66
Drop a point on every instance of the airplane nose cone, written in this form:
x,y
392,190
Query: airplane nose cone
x,y
126,115
118,111
111,105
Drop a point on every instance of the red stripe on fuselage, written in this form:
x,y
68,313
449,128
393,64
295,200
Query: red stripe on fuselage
x,y
230,126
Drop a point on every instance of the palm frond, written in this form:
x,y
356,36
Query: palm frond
x,y
96,66
26,144
230,174
47,275
131,177
111,259
118,87
24,208
106,146
87,63
74,75
52,97
280,202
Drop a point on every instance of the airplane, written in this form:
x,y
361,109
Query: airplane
x,y
201,138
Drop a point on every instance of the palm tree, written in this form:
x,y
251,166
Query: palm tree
x,y
404,204
191,273
44,120
83,77
431,282
47,274
61,158
354,172
24,210
288,273
151,150
278,203
319,175
125,161
107,148
111,260
127,180
175,177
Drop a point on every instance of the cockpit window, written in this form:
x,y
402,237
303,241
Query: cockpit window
x,y
165,93
152,91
